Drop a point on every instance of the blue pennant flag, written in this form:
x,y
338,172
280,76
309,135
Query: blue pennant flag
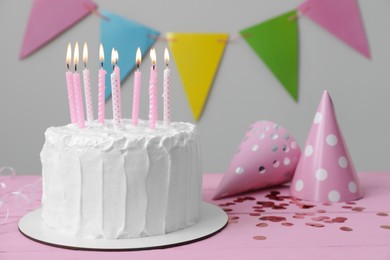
x,y
125,36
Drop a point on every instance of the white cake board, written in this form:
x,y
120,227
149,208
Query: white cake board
x,y
212,220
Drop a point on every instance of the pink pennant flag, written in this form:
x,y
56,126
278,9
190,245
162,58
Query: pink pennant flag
x,y
341,18
49,18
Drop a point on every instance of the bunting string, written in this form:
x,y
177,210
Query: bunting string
x,y
299,14
94,10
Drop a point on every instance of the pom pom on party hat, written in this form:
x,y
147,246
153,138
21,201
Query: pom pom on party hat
x,y
325,171
267,156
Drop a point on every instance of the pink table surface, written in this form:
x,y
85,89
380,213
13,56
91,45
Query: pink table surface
x,y
367,240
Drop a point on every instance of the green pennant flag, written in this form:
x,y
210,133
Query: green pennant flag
x,y
276,42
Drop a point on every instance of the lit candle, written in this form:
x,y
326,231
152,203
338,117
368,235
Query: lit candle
x,y
167,85
153,110
77,89
118,75
69,84
101,87
137,87
114,90
87,85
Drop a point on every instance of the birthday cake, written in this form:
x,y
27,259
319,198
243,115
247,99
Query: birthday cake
x,y
102,182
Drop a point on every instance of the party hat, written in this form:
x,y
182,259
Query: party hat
x,y
267,156
325,171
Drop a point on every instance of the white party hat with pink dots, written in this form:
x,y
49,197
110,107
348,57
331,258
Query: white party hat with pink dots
x,y
267,156
325,171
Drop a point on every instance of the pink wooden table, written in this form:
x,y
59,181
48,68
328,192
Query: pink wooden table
x,y
263,225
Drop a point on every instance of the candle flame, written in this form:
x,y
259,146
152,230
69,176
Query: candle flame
x,y
76,55
85,54
153,56
166,56
116,56
101,53
68,55
113,56
138,57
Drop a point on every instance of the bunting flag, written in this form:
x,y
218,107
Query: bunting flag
x,y
275,41
341,18
125,36
197,58
50,18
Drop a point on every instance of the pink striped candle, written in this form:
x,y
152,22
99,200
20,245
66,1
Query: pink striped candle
x,y
69,84
118,75
137,87
77,90
167,85
114,93
101,87
153,110
87,85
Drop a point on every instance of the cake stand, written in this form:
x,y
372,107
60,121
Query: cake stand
x,y
212,220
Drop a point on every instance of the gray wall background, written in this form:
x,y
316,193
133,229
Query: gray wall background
x,y
33,91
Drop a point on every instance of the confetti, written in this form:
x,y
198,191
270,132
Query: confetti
x,y
320,218
257,207
306,206
278,207
346,229
339,220
259,237
273,218
312,224
266,204
305,213
226,204
315,218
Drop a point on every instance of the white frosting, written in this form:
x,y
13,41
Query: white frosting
x,y
105,183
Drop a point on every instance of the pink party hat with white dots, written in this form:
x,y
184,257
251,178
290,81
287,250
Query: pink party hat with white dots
x,y
325,171
267,156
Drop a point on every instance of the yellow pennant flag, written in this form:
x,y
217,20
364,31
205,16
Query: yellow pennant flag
x,y
197,56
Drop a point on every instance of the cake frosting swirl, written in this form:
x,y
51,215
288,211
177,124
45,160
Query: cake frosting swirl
x,y
102,182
